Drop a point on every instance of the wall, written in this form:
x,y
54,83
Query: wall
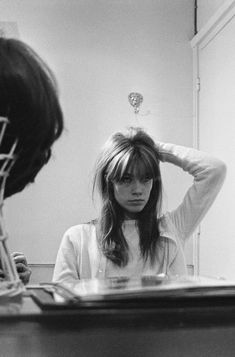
x,y
100,51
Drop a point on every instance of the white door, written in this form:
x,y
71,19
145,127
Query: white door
x,y
215,118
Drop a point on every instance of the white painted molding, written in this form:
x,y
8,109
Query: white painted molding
x,y
41,265
216,22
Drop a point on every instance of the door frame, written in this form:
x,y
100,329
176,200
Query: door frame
x,y
216,24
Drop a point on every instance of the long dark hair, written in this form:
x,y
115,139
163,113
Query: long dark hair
x,y
121,152
28,99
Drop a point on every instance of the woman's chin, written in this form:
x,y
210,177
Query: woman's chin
x,y
132,214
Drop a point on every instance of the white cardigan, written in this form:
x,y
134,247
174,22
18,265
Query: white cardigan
x,y
79,256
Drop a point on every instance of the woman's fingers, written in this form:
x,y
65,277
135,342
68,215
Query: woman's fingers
x,y
24,272
22,266
19,258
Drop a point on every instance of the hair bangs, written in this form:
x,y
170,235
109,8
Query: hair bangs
x,y
119,165
144,164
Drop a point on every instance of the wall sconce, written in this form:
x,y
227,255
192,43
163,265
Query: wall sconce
x,y
135,99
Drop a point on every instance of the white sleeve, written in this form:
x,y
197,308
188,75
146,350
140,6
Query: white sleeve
x,y
66,265
208,173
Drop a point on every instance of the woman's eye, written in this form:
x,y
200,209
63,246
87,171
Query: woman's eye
x,y
126,180
146,179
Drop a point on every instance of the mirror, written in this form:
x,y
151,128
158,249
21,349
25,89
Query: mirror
x,y
100,51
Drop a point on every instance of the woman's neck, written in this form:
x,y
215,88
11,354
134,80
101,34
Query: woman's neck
x,y
130,217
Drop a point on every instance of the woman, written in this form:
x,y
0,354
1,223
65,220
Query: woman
x,y
131,237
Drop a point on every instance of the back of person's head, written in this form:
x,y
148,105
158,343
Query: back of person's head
x,y
29,100
126,151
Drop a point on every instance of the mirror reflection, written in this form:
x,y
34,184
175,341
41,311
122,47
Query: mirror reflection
x,y
100,52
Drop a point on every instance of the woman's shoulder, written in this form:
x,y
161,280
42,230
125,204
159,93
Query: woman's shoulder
x,y
79,230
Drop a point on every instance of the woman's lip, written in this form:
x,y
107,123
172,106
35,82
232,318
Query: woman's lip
x,y
136,201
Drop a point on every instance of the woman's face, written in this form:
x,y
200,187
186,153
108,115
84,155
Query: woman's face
x,y
132,193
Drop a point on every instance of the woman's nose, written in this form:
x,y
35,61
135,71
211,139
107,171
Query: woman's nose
x,y
137,187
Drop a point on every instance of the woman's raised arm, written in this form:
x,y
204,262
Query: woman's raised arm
x,y
208,173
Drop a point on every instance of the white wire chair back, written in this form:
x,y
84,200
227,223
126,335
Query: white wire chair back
x,y
10,284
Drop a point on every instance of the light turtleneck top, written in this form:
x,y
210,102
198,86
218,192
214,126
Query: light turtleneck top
x,y
135,263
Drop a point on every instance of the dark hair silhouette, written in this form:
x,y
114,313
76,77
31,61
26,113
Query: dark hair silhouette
x,y
28,99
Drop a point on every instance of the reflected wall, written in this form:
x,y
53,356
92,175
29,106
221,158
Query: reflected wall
x,y
100,51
